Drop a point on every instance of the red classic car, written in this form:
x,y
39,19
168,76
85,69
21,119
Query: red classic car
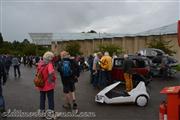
x,y
141,66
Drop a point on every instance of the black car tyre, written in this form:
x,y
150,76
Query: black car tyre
x,y
141,101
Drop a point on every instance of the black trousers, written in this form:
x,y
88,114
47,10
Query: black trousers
x,y
17,69
50,96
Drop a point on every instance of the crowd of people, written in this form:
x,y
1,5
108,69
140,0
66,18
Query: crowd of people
x,y
16,61
69,67
66,65
100,67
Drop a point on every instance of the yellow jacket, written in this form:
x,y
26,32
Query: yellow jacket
x,y
106,63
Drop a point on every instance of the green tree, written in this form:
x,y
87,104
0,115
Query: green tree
x,y
73,48
40,50
111,48
6,48
26,41
92,31
1,39
22,48
163,45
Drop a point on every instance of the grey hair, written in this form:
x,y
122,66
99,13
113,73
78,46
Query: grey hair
x,y
106,53
48,56
125,55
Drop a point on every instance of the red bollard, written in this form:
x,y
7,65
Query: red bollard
x,y
163,111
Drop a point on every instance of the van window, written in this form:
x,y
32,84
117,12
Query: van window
x,y
140,63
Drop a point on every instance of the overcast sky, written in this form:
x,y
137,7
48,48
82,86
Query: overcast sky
x,y
20,17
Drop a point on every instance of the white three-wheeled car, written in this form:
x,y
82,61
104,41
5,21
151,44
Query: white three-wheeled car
x,y
115,93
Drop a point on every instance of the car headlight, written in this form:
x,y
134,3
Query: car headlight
x,y
99,97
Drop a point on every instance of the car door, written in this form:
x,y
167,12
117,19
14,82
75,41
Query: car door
x,y
117,71
141,67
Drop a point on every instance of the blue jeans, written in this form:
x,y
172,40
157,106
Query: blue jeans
x,y
1,96
50,95
0,88
105,79
95,80
91,74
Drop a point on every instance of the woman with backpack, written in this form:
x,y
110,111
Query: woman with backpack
x,y
46,70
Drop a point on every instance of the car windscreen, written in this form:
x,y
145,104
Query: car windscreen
x,y
138,63
118,62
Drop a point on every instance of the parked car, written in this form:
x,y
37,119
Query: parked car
x,y
141,66
169,69
151,52
157,72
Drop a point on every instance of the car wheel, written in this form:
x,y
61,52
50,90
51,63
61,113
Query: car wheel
x,y
142,101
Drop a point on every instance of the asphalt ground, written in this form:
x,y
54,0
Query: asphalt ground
x,y
20,94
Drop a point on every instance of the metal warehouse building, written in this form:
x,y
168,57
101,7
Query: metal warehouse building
x,y
89,42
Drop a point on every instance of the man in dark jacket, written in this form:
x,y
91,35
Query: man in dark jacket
x,y
90,62
2,77
127,68
69,72
7,63
16,65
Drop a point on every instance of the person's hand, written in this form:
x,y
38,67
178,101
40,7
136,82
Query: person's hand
x,y
94,72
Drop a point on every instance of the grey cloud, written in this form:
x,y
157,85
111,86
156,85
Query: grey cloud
x,y
121,17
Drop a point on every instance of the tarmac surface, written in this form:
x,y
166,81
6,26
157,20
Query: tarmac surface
x,y
20,94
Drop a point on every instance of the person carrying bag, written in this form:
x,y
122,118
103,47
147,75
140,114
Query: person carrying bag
x,y
46,84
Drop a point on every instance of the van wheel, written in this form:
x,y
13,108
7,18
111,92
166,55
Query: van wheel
x,y
142,101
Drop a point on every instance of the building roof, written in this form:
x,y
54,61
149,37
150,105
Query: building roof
x,y
41,38
47,38
80,36
168,29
